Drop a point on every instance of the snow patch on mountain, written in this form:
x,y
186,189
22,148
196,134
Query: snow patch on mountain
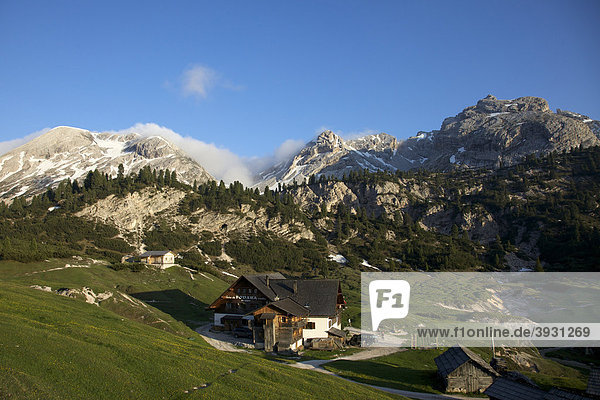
x,y
70,153
338,258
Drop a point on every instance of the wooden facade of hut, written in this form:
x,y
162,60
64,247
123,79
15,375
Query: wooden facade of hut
x,y
463,371
279,324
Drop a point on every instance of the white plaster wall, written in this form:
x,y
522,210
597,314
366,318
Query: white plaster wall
x,y
321,328
296,345
218,317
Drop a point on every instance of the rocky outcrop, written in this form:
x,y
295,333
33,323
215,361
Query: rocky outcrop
x,y
139,212
135,213
425,203
66,152
85,293
497,133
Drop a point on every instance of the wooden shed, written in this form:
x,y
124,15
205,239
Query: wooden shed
x,y
463,371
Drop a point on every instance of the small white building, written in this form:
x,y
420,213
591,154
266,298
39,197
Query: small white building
x,y
162,259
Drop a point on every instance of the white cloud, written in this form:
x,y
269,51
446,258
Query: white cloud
x,y
220,162
282,153
198,80
288,149
9,145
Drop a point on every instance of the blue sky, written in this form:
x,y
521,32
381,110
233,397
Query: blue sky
x,y
249,75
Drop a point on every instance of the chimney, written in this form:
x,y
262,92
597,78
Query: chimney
x,y
268,280
295,287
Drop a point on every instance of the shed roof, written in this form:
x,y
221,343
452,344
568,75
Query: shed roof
x,y
594,382
506,389
337,332
456,356
155,253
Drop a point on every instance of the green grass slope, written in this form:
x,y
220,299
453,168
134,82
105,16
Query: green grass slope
x,y
415,370
167,299
53,347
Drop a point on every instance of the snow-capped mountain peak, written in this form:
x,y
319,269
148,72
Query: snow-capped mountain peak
x,y
329,154
67,152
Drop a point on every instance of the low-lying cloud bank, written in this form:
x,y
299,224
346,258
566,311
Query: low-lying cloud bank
x,y
9,145
220,162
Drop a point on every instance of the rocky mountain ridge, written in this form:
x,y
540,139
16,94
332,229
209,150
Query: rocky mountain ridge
x,y
329,154
66,152
490,134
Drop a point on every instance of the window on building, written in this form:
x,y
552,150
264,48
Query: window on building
x,y
310,325
284,319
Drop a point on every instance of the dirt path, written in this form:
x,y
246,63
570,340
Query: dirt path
x,y
317,365
413,395
219,341
363,355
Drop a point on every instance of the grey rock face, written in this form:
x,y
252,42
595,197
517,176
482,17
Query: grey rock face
x,y
490,134
496,132
66,152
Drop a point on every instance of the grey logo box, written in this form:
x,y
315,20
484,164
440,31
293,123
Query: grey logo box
x,y
554,309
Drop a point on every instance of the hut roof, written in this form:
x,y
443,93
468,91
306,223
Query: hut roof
x,y
318,296
507,389
337,332
558,394
594,382
155,253
456,356
260,282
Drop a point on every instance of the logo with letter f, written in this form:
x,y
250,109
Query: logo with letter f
x,y
389,299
